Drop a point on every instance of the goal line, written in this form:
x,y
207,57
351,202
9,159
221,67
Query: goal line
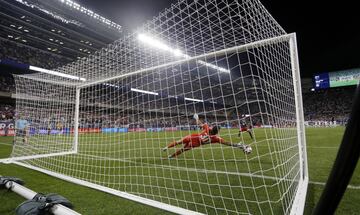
x,y
125,195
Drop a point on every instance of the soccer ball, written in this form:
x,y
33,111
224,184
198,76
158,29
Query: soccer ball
x,y
248,149
196,117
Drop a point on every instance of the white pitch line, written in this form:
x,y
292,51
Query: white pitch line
x,y
212,171
322,147
6,144
261,144
323,184
215,171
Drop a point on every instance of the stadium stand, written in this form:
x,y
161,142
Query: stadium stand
x,y
28,55
6,112
47,34
328,105
324,105
51,37
7,83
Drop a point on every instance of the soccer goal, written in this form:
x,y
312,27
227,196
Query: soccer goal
x,y
104,121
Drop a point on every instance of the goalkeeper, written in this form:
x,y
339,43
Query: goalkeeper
x,y
206,136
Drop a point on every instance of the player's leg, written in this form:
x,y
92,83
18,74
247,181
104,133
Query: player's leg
x,y
174,143
190,141
21,133
179,152
250,133
26,135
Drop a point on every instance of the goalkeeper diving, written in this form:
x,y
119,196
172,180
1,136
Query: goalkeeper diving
x,y
206,136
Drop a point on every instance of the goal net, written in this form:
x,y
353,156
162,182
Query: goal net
x,y
105,121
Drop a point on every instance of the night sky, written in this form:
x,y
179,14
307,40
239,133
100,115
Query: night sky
x,y
328,31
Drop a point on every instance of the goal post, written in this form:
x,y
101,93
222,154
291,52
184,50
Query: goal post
x,y
80,97
76,119
43,107
299,201
122,120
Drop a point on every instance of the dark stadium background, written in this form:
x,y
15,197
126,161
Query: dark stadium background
x,y
327,31
327,39
328,36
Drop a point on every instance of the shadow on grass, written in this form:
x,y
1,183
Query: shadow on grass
x,y
310,199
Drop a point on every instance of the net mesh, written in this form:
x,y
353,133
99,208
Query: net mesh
x,y
139,94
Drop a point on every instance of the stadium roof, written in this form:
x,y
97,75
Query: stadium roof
x,y
60,27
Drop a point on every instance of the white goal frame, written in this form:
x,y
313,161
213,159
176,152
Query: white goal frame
x,y
298,201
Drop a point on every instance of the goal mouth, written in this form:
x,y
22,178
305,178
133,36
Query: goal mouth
x,y
126,124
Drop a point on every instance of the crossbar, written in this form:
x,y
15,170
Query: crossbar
x,y
219,53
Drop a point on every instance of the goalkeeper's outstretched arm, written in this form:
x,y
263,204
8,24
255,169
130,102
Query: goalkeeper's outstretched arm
x,y
238,145
204,126
247,149
198,121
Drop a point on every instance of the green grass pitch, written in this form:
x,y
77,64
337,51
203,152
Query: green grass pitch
x,y
322,146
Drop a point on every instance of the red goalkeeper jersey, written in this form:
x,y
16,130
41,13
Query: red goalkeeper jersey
x,y
205,129
196,140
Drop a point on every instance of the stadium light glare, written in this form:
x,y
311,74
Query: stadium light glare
x,y
194,100
144,91
88,12
176,52
50,72
160,45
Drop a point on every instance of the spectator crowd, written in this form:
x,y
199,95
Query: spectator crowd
x,y
7,112
328,105
325,105
7,84
25,54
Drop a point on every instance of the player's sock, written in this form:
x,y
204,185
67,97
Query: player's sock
x,y
250,133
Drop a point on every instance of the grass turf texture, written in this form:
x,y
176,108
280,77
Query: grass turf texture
x,y
322,147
